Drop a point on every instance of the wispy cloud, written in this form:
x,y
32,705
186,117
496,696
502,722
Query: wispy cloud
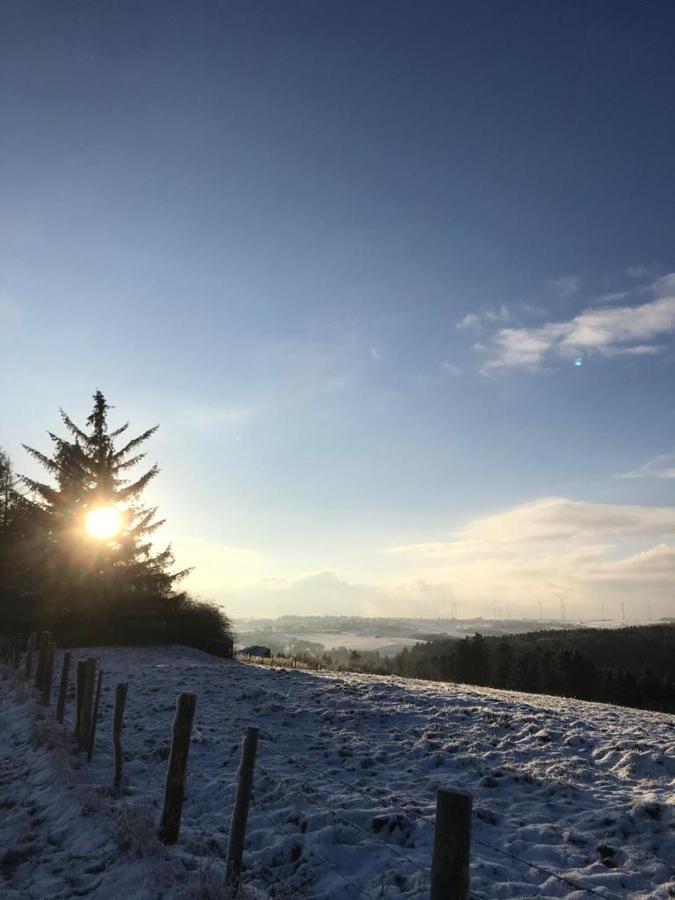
x,y
660,467
638,271
612,297
475,321
549,520
470,320
451,369
564,287
665,286
606,331
500,314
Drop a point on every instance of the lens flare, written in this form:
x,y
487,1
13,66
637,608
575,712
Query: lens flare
x,y
104,522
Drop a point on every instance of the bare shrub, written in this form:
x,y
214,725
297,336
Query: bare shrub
x,y
136,832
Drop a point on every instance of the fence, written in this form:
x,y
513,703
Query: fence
x,y
446,874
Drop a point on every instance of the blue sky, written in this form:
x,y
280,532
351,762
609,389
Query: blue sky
x,y
347,255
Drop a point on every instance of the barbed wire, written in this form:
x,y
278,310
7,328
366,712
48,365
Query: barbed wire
x,y
313,851
543,870
277,879
351,787
372,839
409,806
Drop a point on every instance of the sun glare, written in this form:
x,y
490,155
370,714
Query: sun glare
x,y
104,522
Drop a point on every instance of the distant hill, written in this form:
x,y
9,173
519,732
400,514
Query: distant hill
x,y
387,635
630,666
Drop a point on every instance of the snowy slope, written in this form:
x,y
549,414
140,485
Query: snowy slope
x,y
344,791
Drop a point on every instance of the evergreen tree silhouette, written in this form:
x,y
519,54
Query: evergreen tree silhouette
x,y
99,579
18,520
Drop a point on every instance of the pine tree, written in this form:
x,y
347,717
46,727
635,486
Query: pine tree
x,y
102,579
6,495
17,524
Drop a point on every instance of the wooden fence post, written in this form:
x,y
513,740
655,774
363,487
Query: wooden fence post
x,y
94,718
81,665
169,824
87,702
45,638
235,847
30,650
450,874
63,688
48,674
118,724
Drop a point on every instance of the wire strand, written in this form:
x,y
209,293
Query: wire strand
x,y
371,838
316,853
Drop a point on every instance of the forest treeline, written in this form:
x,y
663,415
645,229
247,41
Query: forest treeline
x,y
628,666
78,555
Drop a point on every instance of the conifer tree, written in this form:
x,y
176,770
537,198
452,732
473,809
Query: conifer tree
x,y
6,495
17,519
100,577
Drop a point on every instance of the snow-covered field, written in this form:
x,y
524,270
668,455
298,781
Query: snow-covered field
x,y
344,791
387,645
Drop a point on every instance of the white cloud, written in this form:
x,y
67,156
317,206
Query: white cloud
x,y
325,593
654,564
476,321
660,467
451,368
501,314
470,320
665,286
619,327
526,348
547,520
564,287
593,552
559,518
606,331
612,297
637,350
638,272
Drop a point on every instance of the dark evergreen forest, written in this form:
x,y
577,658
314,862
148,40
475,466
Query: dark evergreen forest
x,y
628,666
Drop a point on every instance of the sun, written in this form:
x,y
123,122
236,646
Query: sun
x,y
104,522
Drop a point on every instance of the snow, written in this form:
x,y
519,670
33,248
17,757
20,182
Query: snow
x,y
387,645
344,790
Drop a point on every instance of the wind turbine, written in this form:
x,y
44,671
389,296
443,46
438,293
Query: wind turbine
x,y
562,596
